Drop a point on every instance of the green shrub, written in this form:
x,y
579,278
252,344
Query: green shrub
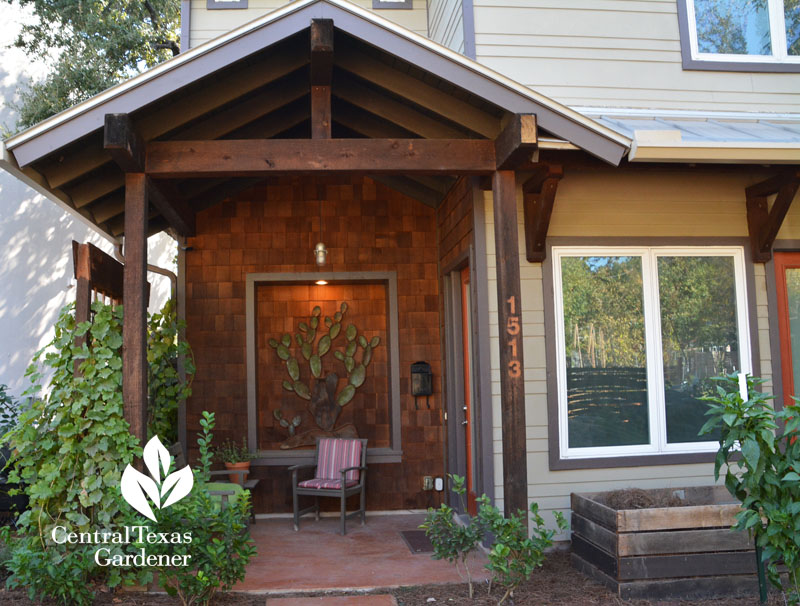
x,y
453,541
514,555
70,448
220,548
71,445
761,452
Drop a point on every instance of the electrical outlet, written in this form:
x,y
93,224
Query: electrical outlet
x,y
427,483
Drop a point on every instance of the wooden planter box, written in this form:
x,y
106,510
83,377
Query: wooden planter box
x,y
665,552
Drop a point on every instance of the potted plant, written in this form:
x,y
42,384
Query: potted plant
x,y
237,458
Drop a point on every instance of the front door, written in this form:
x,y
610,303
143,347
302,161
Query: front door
x,y
468,422
787,279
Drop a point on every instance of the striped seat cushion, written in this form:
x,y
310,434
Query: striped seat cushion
x,y
332,484
336,454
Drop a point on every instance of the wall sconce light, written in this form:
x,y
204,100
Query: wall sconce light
x,y
421,382
320,253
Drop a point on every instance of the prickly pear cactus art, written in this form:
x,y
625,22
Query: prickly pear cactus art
x,y
303,357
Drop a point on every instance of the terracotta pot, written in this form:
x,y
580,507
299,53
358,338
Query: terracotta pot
x,y
236,478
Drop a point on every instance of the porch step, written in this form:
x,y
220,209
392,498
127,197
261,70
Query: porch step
x,y
346,600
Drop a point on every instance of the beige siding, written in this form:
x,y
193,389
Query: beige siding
x,y
207,24
446,23
614,53
608,203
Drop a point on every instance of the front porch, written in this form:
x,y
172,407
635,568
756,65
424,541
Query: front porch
x,y
317,558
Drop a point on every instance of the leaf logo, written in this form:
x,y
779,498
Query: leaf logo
x,y
163,489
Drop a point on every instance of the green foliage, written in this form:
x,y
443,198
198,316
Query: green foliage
x,y
220,547
453,541
70,449
760,449
165,388
72,444
513,555
231,452
9,410
92,45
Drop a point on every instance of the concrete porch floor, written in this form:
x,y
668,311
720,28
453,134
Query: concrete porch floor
x,y
318,558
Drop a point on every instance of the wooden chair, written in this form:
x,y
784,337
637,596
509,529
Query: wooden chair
x,y
341,471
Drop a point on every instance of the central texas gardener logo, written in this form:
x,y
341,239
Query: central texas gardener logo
x,y
162,489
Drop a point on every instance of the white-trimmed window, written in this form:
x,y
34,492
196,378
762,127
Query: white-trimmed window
x,y
639,333
744,31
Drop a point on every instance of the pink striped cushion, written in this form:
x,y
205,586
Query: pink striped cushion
x,y
335,455
333,484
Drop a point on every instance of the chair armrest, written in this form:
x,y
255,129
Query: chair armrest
x,y
346,469
301,466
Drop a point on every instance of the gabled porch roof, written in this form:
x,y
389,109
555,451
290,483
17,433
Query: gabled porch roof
x,y
256,83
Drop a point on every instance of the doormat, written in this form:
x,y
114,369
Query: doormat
x,y
417,541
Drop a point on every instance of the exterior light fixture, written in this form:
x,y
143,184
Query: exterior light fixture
x,y
320,253
321,282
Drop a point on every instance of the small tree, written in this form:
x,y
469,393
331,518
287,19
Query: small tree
x,y
515,555
453,541
760,449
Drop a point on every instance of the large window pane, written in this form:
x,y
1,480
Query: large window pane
x,y
605,351
699,336
791,13
735,27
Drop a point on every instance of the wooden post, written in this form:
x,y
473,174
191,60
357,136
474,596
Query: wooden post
x,y
321,76
512,375
134,337
83,291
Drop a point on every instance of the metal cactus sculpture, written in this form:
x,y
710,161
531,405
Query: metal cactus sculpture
x,y
321,390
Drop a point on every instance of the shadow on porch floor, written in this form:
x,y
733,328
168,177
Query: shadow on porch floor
x,y
318,558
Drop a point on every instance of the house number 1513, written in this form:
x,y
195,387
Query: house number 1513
x,y
513,330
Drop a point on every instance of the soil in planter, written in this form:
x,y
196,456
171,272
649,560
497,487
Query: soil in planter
x,y
636,498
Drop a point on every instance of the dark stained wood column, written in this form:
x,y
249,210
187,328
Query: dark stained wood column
x,y
83,291
134,337
512,374
321,76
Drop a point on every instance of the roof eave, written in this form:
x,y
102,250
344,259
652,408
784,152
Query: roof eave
x,y
38,141
717,153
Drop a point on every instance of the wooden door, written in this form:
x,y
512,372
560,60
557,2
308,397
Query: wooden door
x,y
787,280
468,423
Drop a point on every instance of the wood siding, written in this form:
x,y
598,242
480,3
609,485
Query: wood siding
x,y
608,203
615,53
273,228
454,217
446,23
207,24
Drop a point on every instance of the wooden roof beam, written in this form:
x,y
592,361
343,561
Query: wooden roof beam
x,y
128,150
272,98
321,76
763,222
418,92
539,196
355,93
517,143
264,157
223,91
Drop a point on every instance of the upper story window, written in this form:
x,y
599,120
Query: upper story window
x,y
740,35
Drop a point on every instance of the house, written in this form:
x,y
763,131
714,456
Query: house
x,y
575,213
